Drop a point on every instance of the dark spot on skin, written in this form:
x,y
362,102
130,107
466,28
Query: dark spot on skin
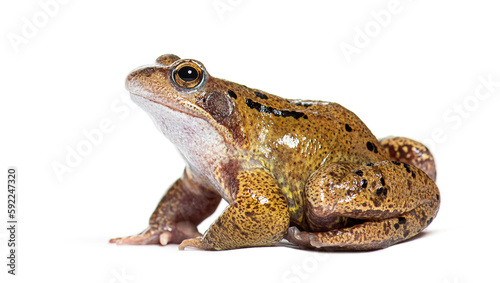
x,y
359,173
348,128
260,95
375,149
305,104
364,184
396,162
369,164
382,181
379,191
413,174
401,220
407,166
267,109
430,221
406,233
437,197
232,94
385,192
396,226
369,146
255,105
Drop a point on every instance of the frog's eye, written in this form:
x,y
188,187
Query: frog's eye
x,y
188,75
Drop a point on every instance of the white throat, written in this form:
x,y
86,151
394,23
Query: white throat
x,y
201,145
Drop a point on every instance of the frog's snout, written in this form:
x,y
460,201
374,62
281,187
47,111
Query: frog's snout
x,y
145,78
135,75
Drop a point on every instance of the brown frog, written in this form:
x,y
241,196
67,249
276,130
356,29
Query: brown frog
x,y
306,171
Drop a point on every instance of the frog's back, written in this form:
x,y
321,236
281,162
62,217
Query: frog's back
x,y
308,131
342,132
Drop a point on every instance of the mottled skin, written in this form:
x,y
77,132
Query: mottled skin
x,y
307,171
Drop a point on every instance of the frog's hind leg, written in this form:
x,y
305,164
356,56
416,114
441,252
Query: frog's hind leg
x,y
370,235
412,152
366,207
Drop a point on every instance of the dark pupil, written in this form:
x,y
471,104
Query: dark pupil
x,y
188,74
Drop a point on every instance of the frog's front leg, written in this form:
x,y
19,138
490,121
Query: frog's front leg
x,y
185,204
257,216
366,207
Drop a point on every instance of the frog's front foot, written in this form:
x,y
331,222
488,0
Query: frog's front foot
x,y
193,243
155,236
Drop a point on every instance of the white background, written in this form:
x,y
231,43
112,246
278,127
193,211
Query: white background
x,y
414,73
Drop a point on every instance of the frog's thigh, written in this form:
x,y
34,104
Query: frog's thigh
x,y
412,152
366,207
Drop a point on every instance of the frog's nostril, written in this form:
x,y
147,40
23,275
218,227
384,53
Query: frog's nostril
x,y
148,71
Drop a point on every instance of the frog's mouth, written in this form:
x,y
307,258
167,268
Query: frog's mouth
x,y
170,114
141,99
168,110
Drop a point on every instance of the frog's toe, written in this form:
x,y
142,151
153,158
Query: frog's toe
x,y
148,237
194,243
174,234
301,238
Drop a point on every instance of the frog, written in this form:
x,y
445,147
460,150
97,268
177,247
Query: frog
x,y
306,172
